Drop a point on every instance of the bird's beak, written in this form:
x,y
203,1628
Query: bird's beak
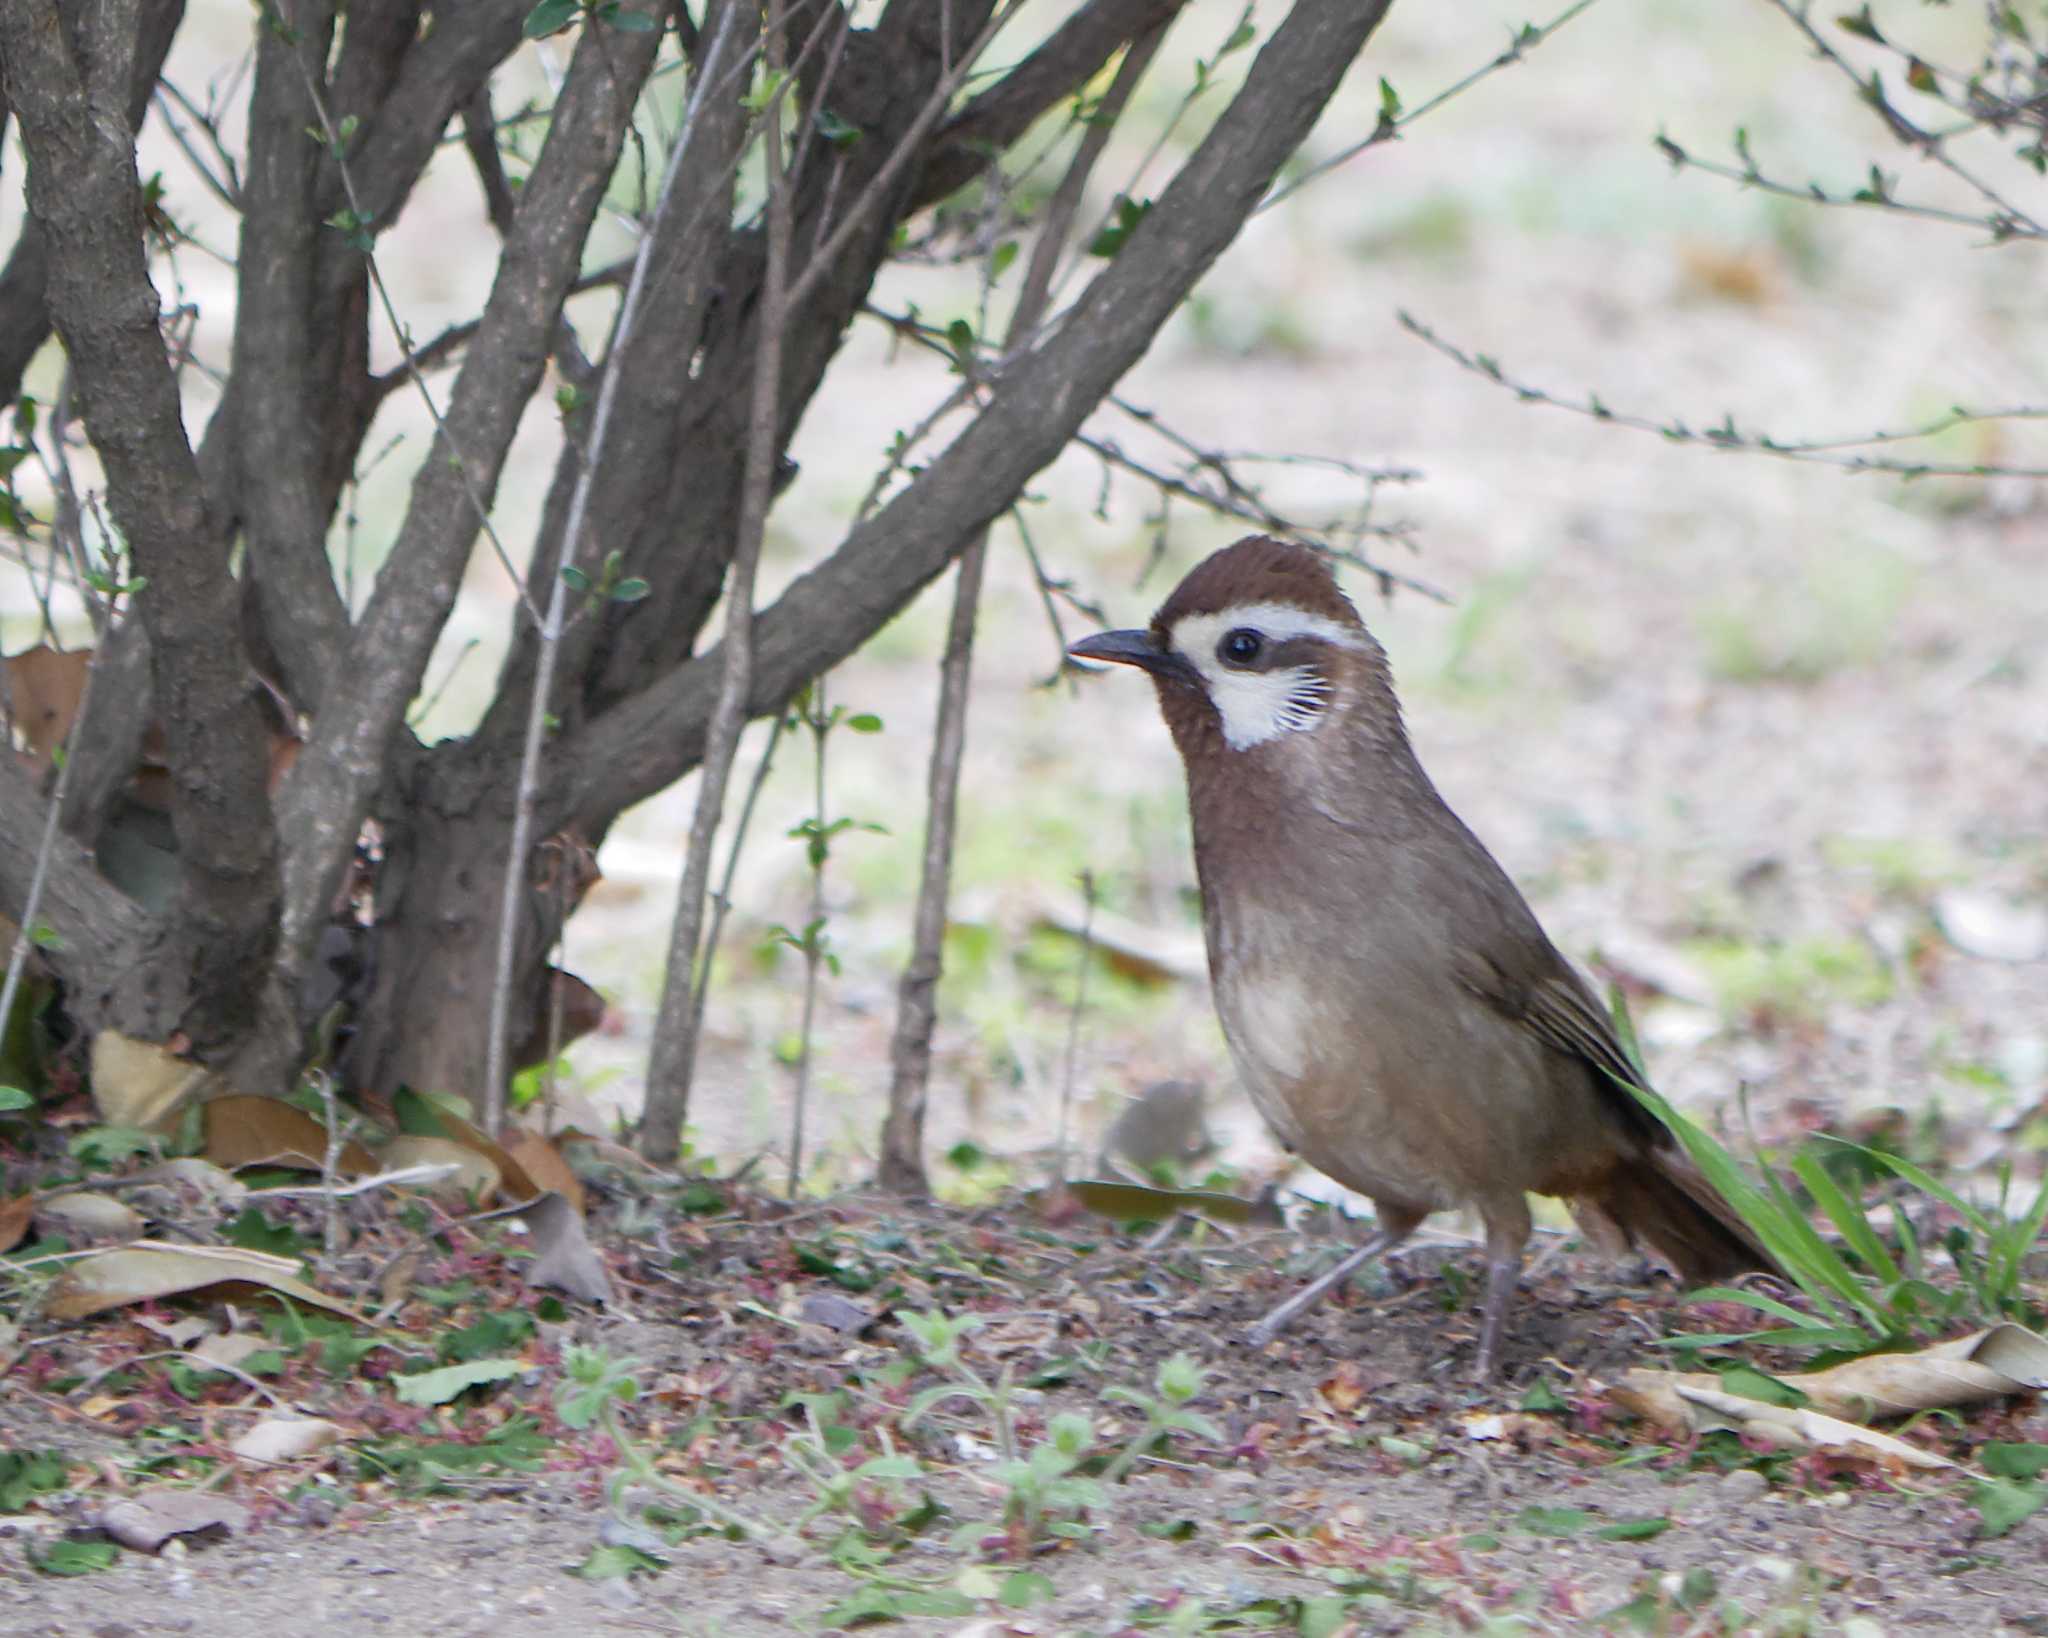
x,y
1139,648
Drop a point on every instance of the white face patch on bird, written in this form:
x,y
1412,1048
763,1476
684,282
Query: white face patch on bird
x,y
1261,666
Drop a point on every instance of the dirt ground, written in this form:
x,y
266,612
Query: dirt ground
x,y
1353,1460
1765,742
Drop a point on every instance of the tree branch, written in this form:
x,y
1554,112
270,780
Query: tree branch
x,y
328,790
82,188
24,315
1038,403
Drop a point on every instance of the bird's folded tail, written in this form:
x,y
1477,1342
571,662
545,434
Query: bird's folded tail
x,y
1660,1200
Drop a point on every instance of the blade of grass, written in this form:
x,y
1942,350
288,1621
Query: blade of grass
x,y
1848,1216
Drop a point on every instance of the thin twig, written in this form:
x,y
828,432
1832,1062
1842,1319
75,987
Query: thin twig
x,y
551,626
1819,451
336,147
672,1062
819,715
721,901
884,179
1391,125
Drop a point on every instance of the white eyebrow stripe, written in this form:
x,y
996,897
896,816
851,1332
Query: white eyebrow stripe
x,y
1276,622
1256,706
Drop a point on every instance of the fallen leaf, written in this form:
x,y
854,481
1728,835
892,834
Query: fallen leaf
x,y
563,1255
835,1313
538,1157
140,1083
187,1182
15,1216
1964,1371
149,1518
220,1351
424,1117
44,686
445,1382
146,1269
249,1131
1136,1202
82,1218
284,1438
471,1175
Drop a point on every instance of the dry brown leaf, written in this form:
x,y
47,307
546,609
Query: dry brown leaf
x,y
1965,1371
15,1217
582,1012
282,1438
1798,1428
474,1177
44,686
148,1269
247,1131
542,1162
229,1349
85,1218
140,1083
149,1518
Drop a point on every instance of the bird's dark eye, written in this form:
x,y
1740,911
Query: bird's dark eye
x,y
1240,647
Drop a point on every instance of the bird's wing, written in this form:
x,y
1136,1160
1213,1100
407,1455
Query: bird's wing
x,y
1537,989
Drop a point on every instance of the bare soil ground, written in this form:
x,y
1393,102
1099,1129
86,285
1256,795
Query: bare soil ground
x,y
1355,1469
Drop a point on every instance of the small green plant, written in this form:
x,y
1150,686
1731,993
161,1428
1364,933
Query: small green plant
x,y
1867,1293
811,712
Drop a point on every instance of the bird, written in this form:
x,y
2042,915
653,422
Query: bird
x,y
1392,1006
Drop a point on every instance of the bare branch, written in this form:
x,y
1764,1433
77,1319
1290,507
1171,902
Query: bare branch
x,y
1038,403
673,1062
325,795
1394,120
516,868
1727,435
910,1050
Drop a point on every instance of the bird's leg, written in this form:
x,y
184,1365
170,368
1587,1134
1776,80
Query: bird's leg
x,y
1395,1225
1507,1232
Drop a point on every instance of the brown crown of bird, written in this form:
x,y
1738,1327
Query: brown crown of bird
x,y
1391,1004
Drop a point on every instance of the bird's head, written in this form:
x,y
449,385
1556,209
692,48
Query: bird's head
x,y
1257,646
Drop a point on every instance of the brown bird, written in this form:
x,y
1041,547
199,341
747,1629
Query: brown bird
x,y
1393,1008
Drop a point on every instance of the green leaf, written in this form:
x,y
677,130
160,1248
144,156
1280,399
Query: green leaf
x,y
1632,1529
253,1231
865,722
1747,1382
1129,213
574,578
2014,1461
25,1474
75,1557
1023,1588
2003,1504
630,590
999,262
437,1387
13,1099
836,130
876,1603
550,17
1848,1217
1553,1521
1390,103
631,22
1543,1397
618,1561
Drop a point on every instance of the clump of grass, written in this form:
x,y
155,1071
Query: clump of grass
x,y
1867,1291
